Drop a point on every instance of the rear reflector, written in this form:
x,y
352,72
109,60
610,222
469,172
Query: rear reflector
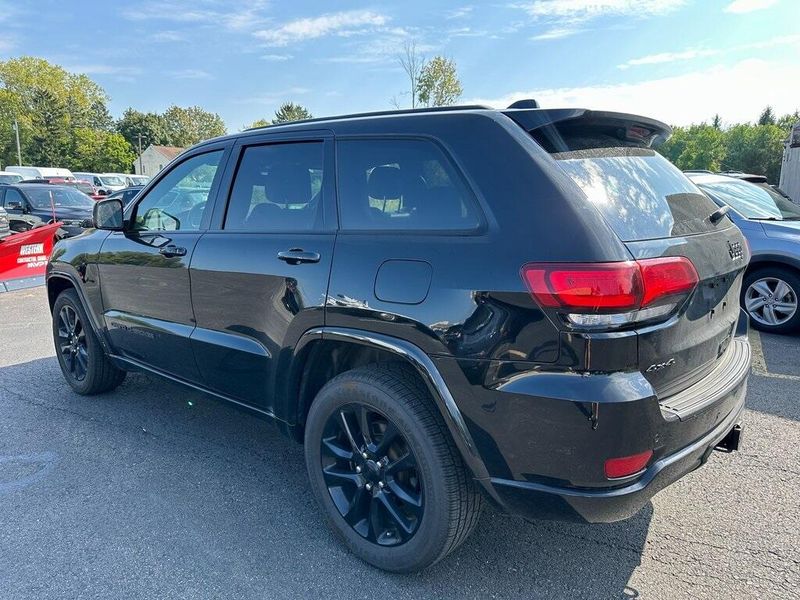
x,y
627,465
623,289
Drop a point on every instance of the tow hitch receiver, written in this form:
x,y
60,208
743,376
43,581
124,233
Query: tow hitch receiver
x,y
731,442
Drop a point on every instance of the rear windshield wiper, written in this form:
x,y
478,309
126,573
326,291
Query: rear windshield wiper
x,y
717,215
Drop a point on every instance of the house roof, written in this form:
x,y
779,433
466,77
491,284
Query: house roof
x,y
169,152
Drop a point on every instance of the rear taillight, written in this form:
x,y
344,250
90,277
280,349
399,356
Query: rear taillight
x,y
598,295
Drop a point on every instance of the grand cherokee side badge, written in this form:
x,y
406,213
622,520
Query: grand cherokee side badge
x,y
660,366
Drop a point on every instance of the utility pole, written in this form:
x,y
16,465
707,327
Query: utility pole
x,y
19,152
140,154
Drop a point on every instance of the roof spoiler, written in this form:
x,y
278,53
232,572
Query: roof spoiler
x,y
557,129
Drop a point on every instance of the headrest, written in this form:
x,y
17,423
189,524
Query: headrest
x,y
384,182
288,184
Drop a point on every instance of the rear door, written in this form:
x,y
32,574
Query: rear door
x,y
260,274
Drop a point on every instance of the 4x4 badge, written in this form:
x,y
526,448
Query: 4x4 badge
x,y
735,250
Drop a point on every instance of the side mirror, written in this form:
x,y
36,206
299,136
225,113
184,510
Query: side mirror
x,y
108,214
14,205
102,192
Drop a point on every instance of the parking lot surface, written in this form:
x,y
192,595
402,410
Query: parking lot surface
x,y
156,491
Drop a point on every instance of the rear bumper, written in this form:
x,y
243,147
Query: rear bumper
x,y
540,501
544,437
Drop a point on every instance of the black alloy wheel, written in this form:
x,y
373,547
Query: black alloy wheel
x,y
371,475
72,343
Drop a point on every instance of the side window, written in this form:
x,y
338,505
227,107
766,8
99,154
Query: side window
x,y
97,182
178,201
278,187
13,195
401,184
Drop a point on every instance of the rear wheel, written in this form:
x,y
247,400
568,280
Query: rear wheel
x,y
770,296
83,362
386,472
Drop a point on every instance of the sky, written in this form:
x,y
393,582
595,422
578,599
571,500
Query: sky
x,y
680,61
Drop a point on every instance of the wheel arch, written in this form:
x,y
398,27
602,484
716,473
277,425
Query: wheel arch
x,y
57,283
317,347
773,261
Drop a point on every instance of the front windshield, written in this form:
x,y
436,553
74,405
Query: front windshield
x,y
112,180
753,201
10,178
58,197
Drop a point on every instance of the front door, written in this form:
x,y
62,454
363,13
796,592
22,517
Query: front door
x,y
260,274
144,270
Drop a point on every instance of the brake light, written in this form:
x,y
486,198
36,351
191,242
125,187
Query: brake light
x,y
627,465
611,294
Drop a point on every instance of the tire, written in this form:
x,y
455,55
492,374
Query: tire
x,y
83,362
770,296
450,503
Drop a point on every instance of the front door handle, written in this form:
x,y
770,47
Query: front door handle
x,y
172,250
295,256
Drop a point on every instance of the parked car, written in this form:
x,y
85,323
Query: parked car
x,y
105,183
127,194
139,180
7,177
79,184
49,203
771,224
553,325
40,172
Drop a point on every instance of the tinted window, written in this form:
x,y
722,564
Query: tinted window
x,y
640,194
179,199
753,201
277,188
13,195
401,184
44,198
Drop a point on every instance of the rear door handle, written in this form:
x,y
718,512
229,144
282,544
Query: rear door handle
x,y
295,256
172,250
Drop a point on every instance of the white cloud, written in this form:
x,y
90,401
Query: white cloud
x,y
459,13
167,36
277,57
668,57
104,69
737,92
341,23
191,74
746,6
582,10
692,53
556,33
211,12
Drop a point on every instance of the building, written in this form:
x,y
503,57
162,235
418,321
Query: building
x,y
154,158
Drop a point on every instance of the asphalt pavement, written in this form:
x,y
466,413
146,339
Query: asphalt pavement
x,y
156,491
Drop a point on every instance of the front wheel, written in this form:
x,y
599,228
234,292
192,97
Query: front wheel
x,y
83,362
385,471
770,296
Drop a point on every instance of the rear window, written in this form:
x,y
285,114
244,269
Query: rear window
x,y
640,194
753,201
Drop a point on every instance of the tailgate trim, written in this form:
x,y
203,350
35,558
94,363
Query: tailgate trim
x,y
726,375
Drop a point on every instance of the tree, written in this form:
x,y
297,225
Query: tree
x,y
49,103
767,117
438,83
717,122
188,126
258,123
289,111
150,125
412,64
755,149
696,147
100,151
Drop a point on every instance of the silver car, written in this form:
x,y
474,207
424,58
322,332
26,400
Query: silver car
x,y
771,224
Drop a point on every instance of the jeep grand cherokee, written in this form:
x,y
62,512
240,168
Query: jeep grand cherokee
x,y
527,307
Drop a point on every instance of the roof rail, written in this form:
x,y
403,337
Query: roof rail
x,y
380,113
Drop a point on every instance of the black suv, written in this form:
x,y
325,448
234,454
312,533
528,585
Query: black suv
x,y
48,202
526,306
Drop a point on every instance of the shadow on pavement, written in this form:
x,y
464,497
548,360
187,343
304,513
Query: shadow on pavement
x,y
158,491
